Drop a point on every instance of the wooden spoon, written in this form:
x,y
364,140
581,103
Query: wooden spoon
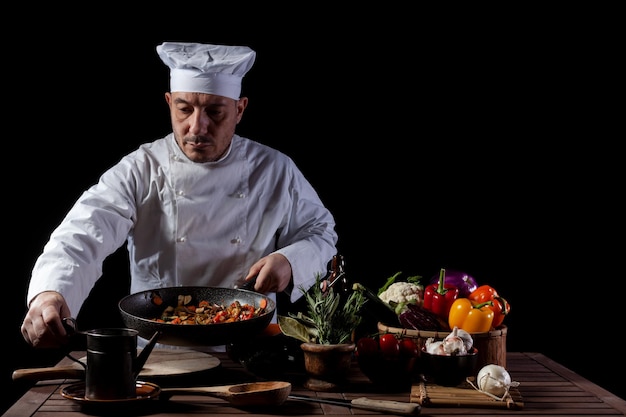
x,y
247,394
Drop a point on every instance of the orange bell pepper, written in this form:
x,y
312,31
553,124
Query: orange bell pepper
x,y
470,316
500,306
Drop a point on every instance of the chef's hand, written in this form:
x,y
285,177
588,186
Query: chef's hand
x,y
43,325
274,273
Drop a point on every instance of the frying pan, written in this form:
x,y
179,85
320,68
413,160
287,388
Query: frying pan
x,y
138,311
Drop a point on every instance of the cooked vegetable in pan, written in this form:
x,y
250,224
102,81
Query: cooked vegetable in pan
x,y
205,312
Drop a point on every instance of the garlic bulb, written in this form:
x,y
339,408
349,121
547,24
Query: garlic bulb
x,y
467,338
456,343
434,348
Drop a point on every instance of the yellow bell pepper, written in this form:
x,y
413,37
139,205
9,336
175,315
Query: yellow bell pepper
x,y
470,316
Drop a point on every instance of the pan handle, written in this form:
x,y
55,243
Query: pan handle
x,y
249,284
69,323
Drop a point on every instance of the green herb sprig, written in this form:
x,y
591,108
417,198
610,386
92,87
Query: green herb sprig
x,y
327,320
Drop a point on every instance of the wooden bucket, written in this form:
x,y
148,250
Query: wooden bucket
x,y
491,345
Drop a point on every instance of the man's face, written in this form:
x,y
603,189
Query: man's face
x,y
204,124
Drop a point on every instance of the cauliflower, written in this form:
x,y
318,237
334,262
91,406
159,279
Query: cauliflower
x,y
399,294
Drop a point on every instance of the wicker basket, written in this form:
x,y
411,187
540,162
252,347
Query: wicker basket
x,y
491,345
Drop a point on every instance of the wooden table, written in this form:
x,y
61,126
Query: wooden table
x,y
546,387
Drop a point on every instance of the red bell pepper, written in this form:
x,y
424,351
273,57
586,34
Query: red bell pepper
x,y
438,297
500,306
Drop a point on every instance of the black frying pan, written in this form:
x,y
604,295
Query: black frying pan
x,y
138,311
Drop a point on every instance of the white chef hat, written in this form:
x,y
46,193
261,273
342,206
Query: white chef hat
x,y
205,68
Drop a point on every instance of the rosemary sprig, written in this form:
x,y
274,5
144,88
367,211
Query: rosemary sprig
x,y
334,322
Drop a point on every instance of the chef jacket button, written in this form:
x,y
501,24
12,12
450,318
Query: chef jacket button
x,y
240,195
181,239
180,193
235,241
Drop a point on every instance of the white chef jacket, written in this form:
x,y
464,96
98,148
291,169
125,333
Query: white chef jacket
x,y
189,223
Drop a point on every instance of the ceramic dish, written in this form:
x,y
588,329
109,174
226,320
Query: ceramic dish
x,y
145,391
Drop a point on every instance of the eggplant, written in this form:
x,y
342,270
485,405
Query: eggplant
x,y
418,318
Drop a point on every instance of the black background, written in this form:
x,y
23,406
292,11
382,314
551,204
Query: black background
x,y
480,140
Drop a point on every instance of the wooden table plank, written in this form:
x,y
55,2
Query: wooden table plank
x,y
30,402
546,387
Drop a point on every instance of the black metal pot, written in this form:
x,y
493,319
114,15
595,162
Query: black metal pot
x,y
139,311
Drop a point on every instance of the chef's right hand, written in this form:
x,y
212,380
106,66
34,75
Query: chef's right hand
x,y
43,325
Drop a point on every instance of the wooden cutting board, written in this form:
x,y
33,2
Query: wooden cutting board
x,y
160,363
176,362
464,395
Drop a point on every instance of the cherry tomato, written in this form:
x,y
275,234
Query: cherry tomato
x,y
389,345
366,346
408,348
